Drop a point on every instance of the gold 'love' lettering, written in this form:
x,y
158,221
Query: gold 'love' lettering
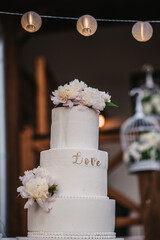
x,y
78,159
86,161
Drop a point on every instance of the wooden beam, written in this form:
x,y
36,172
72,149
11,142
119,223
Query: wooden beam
x,y
41,145
14,221
112,137
26,150
149,185
127,221
123,200
41,96
115,162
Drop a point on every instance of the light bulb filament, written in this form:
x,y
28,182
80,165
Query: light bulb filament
x,y
142,31
86,27
86,31
30,26
85,23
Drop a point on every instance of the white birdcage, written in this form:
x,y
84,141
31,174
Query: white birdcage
x,y
151,90
132,134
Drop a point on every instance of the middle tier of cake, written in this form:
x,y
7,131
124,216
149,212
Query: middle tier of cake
x,y
77,172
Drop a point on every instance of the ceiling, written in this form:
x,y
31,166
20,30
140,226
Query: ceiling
x,y
105,8
110,9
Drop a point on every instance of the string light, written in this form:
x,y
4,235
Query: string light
x,y
86,25
142,31
31,21
145,37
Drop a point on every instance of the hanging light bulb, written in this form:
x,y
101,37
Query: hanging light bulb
x,y
142,31
31,21
86,25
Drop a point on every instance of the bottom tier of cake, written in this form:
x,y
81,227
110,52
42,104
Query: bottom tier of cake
x,y
75,218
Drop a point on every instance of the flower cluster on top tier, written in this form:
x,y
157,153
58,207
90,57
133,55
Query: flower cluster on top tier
x,y
37,186
77,93
146,147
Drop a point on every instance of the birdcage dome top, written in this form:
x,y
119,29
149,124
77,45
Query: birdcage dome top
x,y
151,91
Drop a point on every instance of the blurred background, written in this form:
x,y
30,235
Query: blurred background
x,y
32,65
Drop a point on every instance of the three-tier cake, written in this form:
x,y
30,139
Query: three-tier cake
x,y
81,208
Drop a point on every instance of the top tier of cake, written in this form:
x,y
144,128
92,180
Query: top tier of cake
x,y
74,128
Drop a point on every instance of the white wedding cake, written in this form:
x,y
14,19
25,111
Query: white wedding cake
x,y
80,207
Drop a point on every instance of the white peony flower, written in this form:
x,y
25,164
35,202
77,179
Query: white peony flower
x,y
77,85
92,97
71,90
106,96
67,92
27,176
147,108
39,172
152,137
37,188
135,154
133,146
144,146
155,99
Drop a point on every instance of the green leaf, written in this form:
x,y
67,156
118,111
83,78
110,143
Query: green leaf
x,y
52,189
146,99
18,195
110,104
